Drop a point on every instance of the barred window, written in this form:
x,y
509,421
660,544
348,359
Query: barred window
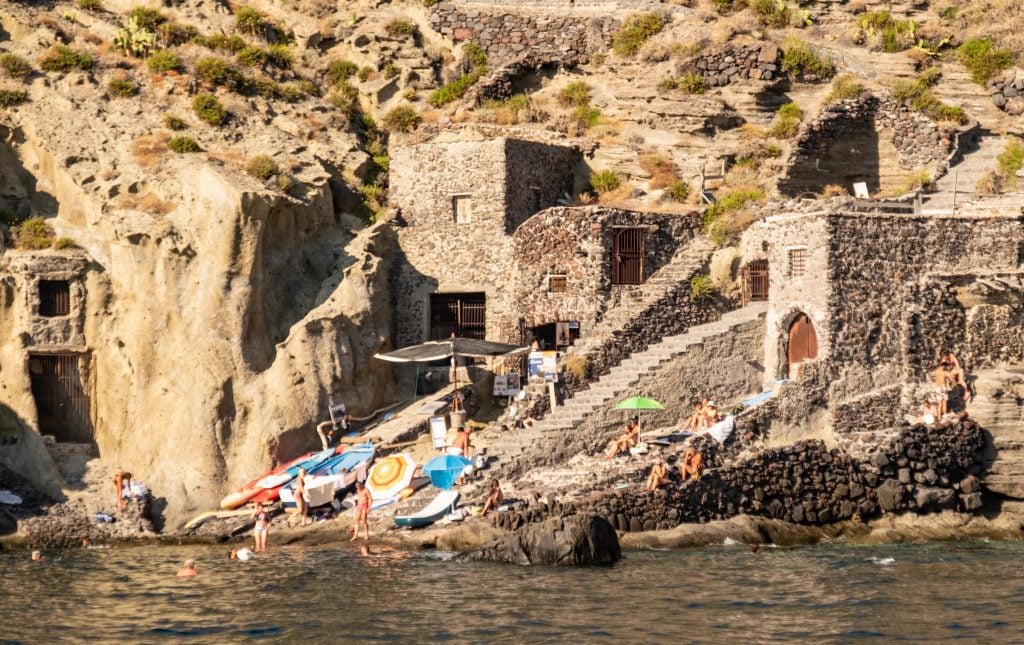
x,y
54,298
797,262
558,284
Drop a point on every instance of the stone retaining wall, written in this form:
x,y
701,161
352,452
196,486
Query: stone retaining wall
x,y
1007,91
735,63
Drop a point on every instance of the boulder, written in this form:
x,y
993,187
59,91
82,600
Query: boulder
x,y
890,494
574,540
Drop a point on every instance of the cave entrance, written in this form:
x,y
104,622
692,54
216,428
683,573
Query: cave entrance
x,y
802,345
62,400
556,335
462,314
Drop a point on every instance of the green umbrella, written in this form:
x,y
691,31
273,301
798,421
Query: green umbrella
x,y
639,403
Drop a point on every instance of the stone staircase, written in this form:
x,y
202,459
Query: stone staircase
x,y
979,157
620,380
636,301
998,407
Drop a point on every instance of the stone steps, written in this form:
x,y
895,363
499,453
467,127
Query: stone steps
x,y
998,407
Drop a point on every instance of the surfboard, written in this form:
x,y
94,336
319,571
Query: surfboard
x,y
432,512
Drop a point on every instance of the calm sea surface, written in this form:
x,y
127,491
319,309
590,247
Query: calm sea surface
x,y
932,592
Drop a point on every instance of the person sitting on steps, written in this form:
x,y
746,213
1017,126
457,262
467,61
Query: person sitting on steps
x,y
629,438
658,476
494,497
692,421
693,464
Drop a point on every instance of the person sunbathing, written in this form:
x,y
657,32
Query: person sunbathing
x,y
629,438
658,476
709,417
692,421
693,464
494,497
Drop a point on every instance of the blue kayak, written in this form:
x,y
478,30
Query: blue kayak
x,y
325,480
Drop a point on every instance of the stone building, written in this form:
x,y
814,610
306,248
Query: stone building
x,y
874,298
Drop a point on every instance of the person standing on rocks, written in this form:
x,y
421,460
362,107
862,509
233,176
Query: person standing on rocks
x,y
301,508
121,479
363,502
262,527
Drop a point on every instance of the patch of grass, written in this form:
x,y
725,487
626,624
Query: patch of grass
x,y
454,90
892,35
844,87
787,121
280,56
221,42
834,190
364,73
339,71
345,98
983,59
577,365
391,70
183,145
715,223
11,98
661,169
604,181
61,58
14,66
216,72
162,61
401,28
799,60
401,118
678,190
917,93
249,21
172,34
252,57
575,94
121,88
636,30
475,54
702,288
690,82
64,243
147,18
173,122
725,7
34,234
1010,161
587,116
89,5
261,167
209,109
771,13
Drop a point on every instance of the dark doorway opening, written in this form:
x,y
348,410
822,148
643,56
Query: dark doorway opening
x,y
755,281
62,400
462,314
628,255
556,335
802,345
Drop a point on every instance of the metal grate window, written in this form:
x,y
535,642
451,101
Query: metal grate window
x,y
54,298
755,281
797,262
558,284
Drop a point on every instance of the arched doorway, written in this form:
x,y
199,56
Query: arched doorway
x,y
802,345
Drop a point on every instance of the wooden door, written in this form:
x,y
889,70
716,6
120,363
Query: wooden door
x,y
803,344
628,256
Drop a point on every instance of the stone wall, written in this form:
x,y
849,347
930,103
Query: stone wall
x,y
921,470
1007,91
735,63
850,141
26,269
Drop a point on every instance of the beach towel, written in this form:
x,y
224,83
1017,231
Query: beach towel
x,y
721,430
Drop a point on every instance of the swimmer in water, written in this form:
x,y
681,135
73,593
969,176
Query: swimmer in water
x,y
37,556
242,555
189,570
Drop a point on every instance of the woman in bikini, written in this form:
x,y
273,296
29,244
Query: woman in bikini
x,y
494,497
363,501
262,527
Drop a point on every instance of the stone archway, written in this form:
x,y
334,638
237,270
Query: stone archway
x,y
801,344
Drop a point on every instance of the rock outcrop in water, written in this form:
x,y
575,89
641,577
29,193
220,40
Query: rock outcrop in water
x,y
579,539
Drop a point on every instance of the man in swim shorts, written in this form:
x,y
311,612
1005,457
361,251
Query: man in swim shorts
x,y
363,502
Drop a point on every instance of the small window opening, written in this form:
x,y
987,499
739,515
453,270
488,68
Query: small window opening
x,y
558,284
797,262
463,207
54,298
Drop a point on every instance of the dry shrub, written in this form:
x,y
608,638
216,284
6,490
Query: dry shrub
x,y
148,149
999,20
616,195
577,366
147,202
663,170
834,190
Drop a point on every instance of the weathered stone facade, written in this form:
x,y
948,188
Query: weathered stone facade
x,y
735,63
845,144
1007,91
25,271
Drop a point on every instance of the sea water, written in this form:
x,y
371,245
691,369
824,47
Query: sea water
x,y
926,592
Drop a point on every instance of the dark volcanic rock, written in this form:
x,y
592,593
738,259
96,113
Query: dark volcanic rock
x,y
574,540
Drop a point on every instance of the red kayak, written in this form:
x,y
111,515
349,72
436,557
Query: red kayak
x,y
252,489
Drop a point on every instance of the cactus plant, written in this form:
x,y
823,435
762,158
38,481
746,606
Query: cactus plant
x,y
133,40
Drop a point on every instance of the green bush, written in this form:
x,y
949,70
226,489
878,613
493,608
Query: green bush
x,y
1010,161
678,190
604,181
391,70
62,243
575,94
61,58
587,116
983,59
34,234
893,35
209,109
147,18
10,98
454,90
216,72
725,7
89,5
475,54
339,71
120,87
14,66
183,145
248,21
364,73
221,42
261,167
917,93
402,118
171,34
163,61
401,28
636,30
689,82
173,122
252,57
787,121
714,221
771,13
291,92
308,87
280,56
345,98
843,88
799,60
701,288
